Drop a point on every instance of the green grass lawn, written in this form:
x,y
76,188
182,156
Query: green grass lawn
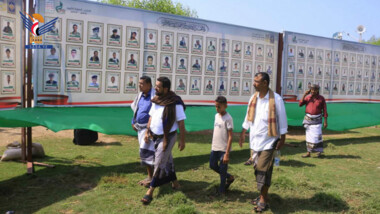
x,y
103,178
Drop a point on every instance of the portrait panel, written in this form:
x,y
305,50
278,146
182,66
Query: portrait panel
x,y
95,33
74,31
132,61
73,81
52,57
114,57
55,34
51,80
133,37
93,81
113,82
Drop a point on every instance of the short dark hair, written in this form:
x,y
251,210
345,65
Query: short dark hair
x,y
221,100
264,76
146,79
165,82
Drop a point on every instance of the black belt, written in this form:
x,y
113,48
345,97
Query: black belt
x,y
155,136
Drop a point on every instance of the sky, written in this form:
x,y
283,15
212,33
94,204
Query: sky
x,y
315,17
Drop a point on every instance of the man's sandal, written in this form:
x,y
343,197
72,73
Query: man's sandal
x,y
306,156
229,182
261,207
248,162
255,201
147,199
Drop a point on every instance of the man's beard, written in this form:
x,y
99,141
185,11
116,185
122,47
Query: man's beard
x,y
159,93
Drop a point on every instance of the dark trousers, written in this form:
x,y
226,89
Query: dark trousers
x,y
221,169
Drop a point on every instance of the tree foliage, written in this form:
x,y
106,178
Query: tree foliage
x,y
164,6
374,40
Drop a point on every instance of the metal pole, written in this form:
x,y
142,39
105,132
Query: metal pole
x,y
23,91
30,166
279,63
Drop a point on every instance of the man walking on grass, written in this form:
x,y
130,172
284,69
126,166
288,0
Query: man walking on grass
x,y
315,110
266,117
141,107
166,116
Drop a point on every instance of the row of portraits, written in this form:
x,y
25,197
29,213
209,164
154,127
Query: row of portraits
x,y
183,84
302,70
184,42
196,65
334,88
312,55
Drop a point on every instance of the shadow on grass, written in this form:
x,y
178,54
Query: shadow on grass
x,y
203,192
296,163
30,193
320,202
341,157
101,143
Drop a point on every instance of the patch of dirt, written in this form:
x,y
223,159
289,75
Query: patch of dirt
x,y
9,135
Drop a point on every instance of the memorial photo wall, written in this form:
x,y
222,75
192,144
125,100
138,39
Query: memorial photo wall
x,y
100,51
10,54
345,71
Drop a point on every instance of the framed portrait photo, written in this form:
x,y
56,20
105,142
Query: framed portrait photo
x,y
211,46
167,41
113,58
131,81
222,86
210,66
73,81
132,61
235,68
95,31
114,35
55,34
248,48
133,37
113,82
247,69
8,82
51,80
197,44
52,57
74,56
8,28
209,86
234,86
74,31
223,66
94,57
151,39
246,87
182,64
195,85
259,52
182,42
8,56
93,81
166,63
236,49
269,53
150,61
224,45
196,64
181,84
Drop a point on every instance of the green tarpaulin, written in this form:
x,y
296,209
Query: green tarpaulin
x,y
117,120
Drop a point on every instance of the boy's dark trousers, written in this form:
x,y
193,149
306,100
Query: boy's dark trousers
x,y
221,169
